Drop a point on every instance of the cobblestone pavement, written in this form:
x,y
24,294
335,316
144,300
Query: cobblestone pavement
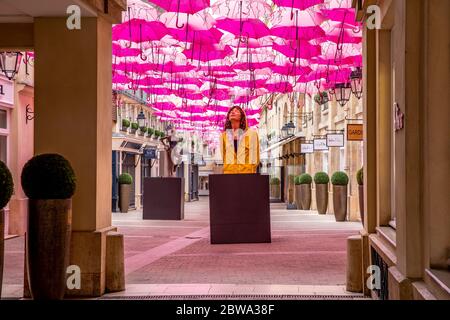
x,y
307,257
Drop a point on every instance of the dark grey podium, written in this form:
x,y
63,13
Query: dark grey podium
x,y
163,199
239,208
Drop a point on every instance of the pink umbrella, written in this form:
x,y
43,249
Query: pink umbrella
x,y
207,52
250,28
299,4
138,30
235,9
182,6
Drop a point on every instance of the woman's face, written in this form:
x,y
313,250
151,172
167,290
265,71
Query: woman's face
x,y
235,115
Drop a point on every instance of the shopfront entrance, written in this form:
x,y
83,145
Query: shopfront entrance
x,y
129,166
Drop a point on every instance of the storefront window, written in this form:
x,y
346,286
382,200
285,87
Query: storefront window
x,y
3,146
3,119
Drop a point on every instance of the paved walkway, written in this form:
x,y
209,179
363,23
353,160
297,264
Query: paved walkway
x,y
174,259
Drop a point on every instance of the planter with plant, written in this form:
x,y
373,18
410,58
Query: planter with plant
x,y
134,127
150,132
321,181
49,182
360,180
125,125
275,188
303,191
340,184
125,181
7,188
321,98
142,131
156,134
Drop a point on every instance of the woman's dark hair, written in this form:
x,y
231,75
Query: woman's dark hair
x,y
242,125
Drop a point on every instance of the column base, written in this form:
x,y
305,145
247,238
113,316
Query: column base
x,y
87,251
399,286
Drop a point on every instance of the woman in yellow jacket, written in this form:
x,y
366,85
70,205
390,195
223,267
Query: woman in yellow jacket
x,y
239,144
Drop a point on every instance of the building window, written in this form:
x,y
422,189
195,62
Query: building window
x,y
3,148
3,119
4,133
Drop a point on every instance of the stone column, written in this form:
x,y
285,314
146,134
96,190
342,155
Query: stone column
x,y
73,117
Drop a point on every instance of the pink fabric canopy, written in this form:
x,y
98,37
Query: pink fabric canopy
x,y
196,60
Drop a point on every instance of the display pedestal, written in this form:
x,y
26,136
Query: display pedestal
x,y
163,199
239,208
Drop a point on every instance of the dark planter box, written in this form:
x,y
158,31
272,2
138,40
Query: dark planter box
x,y
163,199
239,208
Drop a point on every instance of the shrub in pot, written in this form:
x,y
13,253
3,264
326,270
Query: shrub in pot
x,y
6,191
142,130
321,181
49,182
125,181
150,132
134,127
303,191
340,182
275,188
360,180
125,124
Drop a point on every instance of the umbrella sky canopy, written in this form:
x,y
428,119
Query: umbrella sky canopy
x,y
196,58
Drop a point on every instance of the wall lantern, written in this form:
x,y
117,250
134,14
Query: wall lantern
x,y
356,82
10,63
343,93
141,119
284,131
290,128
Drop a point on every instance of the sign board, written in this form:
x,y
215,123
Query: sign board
x,y
320,144
335,140
150,153
355,132
307,148
6,92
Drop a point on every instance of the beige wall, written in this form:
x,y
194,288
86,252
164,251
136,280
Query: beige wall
x,y
410,164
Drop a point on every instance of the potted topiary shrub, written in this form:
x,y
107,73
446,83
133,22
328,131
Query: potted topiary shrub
x,y
360,180
125,181
142,131
125,125
321,181
49,182
340,183
156,134
6,191
134,127
303,191
150,132
275,187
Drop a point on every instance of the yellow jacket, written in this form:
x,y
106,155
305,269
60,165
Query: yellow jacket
x,y
246,160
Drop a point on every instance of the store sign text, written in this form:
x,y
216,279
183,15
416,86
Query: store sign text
x,y
307,148
355,132
335,140
320,144
6,92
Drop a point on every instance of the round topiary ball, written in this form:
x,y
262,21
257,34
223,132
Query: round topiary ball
x,y
48,176
360,176
125,178
303,179
6,185
321,178
339,178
